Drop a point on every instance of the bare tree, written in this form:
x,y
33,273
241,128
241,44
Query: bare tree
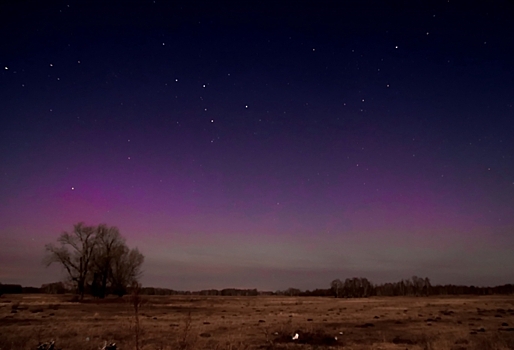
x,y
367,287
428,286
418,285
109,245
126,269
337,287
74,253
136,303
96,257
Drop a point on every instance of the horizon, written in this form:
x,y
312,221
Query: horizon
x,y
258,290
262,145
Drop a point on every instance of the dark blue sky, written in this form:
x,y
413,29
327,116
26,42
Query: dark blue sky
x,y
262,144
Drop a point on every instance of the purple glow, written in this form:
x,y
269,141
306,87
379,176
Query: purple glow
x,y
290,168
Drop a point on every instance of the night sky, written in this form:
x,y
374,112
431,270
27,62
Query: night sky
x,y
262,144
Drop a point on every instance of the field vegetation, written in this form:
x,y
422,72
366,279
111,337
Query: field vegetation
x,y
257,322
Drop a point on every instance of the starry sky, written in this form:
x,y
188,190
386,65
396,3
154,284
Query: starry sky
x,y
260,144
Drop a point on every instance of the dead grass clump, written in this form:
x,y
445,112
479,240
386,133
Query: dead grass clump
x,y
136,301
187,339
18,343
36,309
492,342
15,307
365,325
70,334
447,312
400,340
461,341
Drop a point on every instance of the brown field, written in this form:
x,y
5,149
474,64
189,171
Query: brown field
x,y
197,322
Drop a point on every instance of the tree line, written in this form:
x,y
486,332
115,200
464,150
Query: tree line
x,y
415,286
96,259
353,289
359,287
362,288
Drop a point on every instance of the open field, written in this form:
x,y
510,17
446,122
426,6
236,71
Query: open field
x,y
197,322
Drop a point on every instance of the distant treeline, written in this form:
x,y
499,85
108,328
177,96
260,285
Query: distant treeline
x,y
350,288
17,289
415,286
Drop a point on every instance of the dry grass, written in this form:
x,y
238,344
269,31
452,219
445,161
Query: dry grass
x,y
188,323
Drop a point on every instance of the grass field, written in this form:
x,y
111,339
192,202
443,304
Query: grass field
x,y
194,322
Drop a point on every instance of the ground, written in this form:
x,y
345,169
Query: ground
x,y
265,322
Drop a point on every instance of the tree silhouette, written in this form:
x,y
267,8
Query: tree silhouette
x,y
109,247
96,257
337,287
126,269
74,254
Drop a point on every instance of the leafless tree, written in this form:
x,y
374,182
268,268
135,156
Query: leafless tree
x,y
366,287
96,257
74,253
126,269
428,286
110,244
337,287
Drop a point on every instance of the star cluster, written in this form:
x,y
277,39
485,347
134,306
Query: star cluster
x,y
265,145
